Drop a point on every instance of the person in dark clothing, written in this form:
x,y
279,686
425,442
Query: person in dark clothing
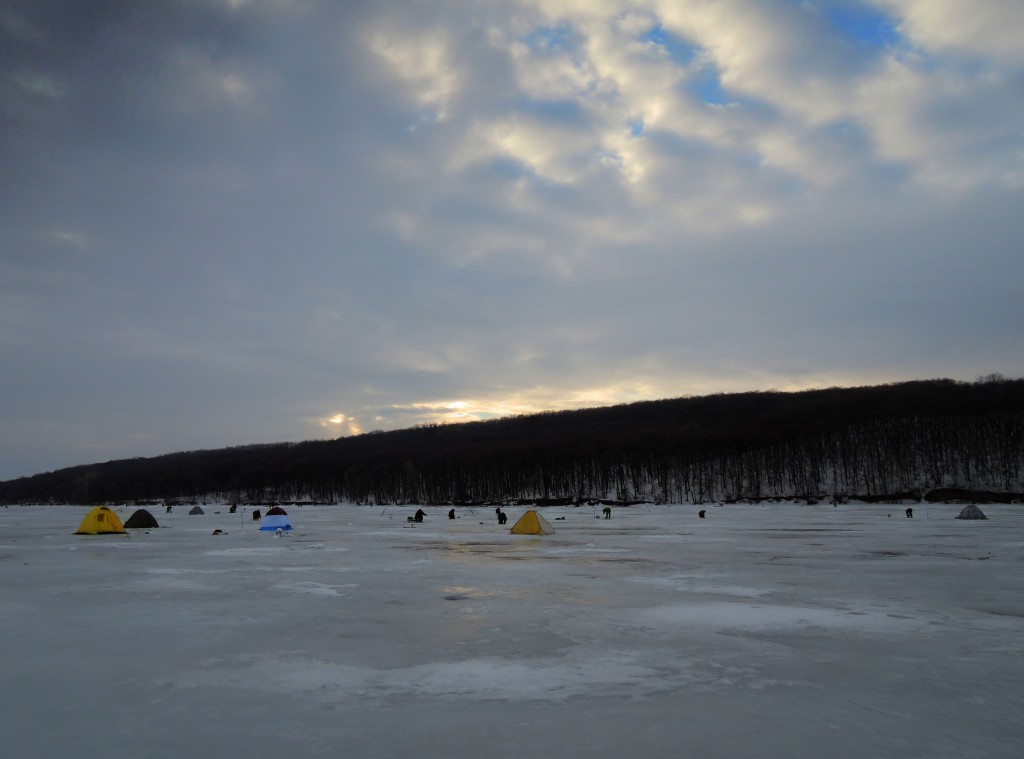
x,y
418,516
502,517
910,513
451,514
607,511
701,513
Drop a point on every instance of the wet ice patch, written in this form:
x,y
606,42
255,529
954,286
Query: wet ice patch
x,y
312,588
518,680
588,548
254,551
727,616
701,584
171,583
106,545
488,678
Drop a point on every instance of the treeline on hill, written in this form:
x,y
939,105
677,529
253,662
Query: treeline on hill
x,y
868,443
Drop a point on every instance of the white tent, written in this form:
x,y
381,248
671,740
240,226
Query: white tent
x,y
275,519
970,511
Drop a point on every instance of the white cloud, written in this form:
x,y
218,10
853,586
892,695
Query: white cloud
x,y
420,58
555,152
69,237
776,52
38,83
984,29
952,130
549,75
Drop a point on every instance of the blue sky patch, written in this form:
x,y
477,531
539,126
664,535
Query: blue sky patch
x,y
860,24
709,88
678,49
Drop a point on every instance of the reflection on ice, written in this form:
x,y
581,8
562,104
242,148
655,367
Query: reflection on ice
x,y
726,616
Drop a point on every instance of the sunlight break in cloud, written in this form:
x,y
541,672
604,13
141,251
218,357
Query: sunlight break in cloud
x,y
540,399
339,425
531,401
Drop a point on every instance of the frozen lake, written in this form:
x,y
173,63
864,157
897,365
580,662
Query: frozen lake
x,y
774,631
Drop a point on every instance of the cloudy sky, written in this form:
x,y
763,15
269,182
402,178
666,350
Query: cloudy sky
x,y
241,221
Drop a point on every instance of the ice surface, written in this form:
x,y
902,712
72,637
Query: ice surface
x,y
774,631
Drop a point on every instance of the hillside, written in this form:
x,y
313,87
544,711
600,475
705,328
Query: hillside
x,y
870,443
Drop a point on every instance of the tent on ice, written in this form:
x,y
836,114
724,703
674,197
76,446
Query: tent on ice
x,y
196,510
532,523
101,521
970,511
140,519
275,519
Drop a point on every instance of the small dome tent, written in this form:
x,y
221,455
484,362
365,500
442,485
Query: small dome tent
x,y
196,510
101,521
970,511
141,519
275,519
532,523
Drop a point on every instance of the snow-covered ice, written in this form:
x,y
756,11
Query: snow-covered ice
x,y
767,631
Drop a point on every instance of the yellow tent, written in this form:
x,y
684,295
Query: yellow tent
x,y
532,523
100,521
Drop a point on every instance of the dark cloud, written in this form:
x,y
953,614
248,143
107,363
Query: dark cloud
x,y
224,223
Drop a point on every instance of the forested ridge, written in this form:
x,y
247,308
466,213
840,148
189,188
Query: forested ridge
x,y
888,441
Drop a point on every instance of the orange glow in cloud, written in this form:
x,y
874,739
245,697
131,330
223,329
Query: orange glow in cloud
x,y
340,424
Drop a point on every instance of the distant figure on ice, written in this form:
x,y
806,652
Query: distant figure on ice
x,y
256,514
701,513
418,516
168,508
607,511
910,513
233,509
502,517
451,514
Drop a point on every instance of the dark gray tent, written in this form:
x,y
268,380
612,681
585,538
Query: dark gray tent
x,y
970,511
141,519
196,510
